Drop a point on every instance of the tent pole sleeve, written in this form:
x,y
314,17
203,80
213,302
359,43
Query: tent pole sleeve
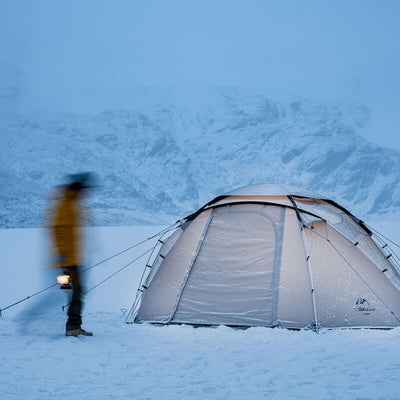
x,y
290,197
307,254
277,267
191,264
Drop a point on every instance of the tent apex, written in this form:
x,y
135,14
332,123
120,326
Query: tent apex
x,y
274,189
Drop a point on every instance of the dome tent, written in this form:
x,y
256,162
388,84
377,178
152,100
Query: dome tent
x,y
271,255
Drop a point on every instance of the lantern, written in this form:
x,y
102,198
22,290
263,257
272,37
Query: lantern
x,y
64,281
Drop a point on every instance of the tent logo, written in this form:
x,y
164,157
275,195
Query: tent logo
x,y
363,305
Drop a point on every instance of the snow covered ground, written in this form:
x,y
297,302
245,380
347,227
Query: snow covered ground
x,y
173,362
181,362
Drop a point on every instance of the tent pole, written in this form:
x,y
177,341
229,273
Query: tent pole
x,y
307,253
193,260
139,292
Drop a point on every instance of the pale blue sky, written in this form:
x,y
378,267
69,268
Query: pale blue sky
x,y
53,51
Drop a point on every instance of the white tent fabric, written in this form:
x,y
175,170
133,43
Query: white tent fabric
x,y
271,255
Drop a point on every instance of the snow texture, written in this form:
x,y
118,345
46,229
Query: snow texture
x,y
172,150
171,362
181,362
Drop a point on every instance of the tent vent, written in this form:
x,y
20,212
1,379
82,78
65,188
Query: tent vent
x,y
148,266
384,245
308,257
162,256
388,256
356,243
384,270
160,241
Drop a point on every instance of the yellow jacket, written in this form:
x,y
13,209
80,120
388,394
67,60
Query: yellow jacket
x,y
65,229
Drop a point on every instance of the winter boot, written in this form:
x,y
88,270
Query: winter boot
x,y
77,332
85,333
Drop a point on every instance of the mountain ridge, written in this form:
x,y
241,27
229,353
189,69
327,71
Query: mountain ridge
x,y
171,151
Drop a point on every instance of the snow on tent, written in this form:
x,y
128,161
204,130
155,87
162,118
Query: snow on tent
x,y
274,256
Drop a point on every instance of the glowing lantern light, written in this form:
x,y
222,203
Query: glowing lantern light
x,y
64,281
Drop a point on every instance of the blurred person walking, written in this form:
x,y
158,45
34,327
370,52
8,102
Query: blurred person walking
x,y
65,223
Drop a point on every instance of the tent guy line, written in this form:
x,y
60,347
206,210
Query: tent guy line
x,y
162,232
113,274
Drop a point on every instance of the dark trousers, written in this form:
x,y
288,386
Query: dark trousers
x,y
75,307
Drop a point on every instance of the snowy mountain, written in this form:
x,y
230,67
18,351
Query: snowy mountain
x,y
171,150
